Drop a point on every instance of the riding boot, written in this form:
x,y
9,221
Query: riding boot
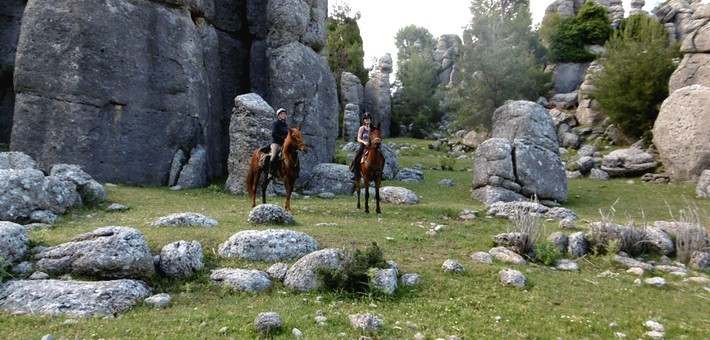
x,y
356,173
273,169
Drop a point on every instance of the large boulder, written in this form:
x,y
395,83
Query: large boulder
x,y
352,94
525,120
28,190
330,177
377,94
244,280
680,132
475,138
181,259
16,161
588,108
10,23
391,162
109,252
693,69
568,76
539,171
703,187
697,39
351,122
628,162
249,129
493,165
14,241
302,275
270,245
296,20
133,101
71,298
194,173
301,82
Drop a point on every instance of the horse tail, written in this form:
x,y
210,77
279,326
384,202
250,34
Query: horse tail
x,y
252,178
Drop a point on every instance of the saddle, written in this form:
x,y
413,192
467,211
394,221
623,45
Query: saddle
x,y
364,155
265,158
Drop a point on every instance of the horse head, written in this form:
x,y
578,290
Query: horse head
x,y
297,139
376,136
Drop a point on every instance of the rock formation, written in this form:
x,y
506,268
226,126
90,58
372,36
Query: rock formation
x,y
448,48
588,109
352,94
377,95
695,66
10,20
568,8
675,16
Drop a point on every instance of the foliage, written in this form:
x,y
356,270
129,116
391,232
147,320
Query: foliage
x,y
447,163
344,44
547,253
607,237
413,41
689,235
5,267
634,79
340,159
352,277
591,26
501,61
548,27
528,224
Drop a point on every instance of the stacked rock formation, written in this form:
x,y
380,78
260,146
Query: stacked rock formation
x,y
377,95
522,159
675,16
10,20
568,8
448,48
352,94
680,131
587,111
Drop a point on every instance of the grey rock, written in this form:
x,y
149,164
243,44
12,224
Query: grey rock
x,y
194,173
39,276
365,322
512,210
71,173
410,279
48,337
301,82
482,257
398,195
384,280
23,268
330,177
578,245
568,265
515,241
598,174
159,300
186,219
700,260
493,163
44,216
564,100
269,245
507,256
181,259
702,190
109,252
244,280
492,194
71,298
467,215
693,69
573,174
586,164
568,76
14,241
277,271
14,160
655,281
446,183
567,223
268,322
377,94
475,138
559,213
560,240
116,207
525,120
391,162
249,129
93,193
539,171
410,176
176,165
586,150
27,190
350,147
628,162
270,213
511,277
302,274
630,263
297,333
561,117
658,241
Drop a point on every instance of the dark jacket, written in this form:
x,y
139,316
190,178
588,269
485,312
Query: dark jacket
x,y
279,131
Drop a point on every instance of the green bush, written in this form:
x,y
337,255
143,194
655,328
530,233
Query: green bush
x,y
340,159
591,26
634,79
5,269
352,278
447,163
547,253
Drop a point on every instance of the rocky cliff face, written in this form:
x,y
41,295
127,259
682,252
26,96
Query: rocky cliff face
x,y
120,86
378,101
10,20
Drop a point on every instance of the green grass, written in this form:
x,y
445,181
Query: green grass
x,y
554,304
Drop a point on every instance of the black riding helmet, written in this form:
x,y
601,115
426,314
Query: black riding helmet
x,y
366,116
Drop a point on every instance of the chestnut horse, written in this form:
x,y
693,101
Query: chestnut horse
x,y
371,170
288,171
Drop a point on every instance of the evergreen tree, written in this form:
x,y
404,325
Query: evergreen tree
x,y
634,79
345,51
591,26
500,61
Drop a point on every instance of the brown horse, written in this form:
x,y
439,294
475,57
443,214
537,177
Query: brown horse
x,y
288,171
371,170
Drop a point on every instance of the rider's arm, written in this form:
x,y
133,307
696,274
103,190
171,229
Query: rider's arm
x,y
359,136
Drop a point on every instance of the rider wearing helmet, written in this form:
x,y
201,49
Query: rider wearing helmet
x,y
279,131
363,138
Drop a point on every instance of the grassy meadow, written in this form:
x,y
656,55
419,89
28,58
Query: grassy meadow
x,y
473,305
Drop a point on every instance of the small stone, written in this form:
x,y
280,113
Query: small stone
x,y
654,326
637,282
619,335
39,276
613,324
431,232
410,279
498,318
70,322
512,277
48,337
223,330
159,300
296,333
268,322
419,336
608,274
390,239
321,320
655,281
655,335
467,215
697,279
366,322
116,207
679,274
636,271
567,223
565,264
482,257
451,266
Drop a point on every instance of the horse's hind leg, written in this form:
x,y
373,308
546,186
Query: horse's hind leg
x,y
289,188
357,188
264,185
367,196
378,181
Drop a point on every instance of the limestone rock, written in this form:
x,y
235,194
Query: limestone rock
x,y
181,258
268,322
176,165
27,190
474,138
491,194
511,277
410,176
658,241
398,195
330,177
365,322
270,213
16,161
482,257
700,260
525,120
560,240
451,266
187,219
353,103
391,163
693,69
566,77
410,279
71,173
493,165
243,280
578,245
277,271
194,173
384,280
539,171
564,100
14,241
377,94
568,265
680,132
302,274
159,300
630,263
92,194
507,256
71,298
703,188
628,162
109,252
268,245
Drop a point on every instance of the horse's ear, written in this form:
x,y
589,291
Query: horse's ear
x,y
298,128
378,126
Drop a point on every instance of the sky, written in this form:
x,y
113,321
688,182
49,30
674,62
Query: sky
x,y
381,19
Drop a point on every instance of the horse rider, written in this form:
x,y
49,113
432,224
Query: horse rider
x,y
279,131
363,138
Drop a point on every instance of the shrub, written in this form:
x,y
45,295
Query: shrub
x,y
608,237
5,269
690,236
634,80
547,253
352,277
528,224
591,26
340,159
447,163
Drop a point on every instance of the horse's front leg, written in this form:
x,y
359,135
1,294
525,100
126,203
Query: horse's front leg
x,y
264,185
378,182
367,195
289,187
357,188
